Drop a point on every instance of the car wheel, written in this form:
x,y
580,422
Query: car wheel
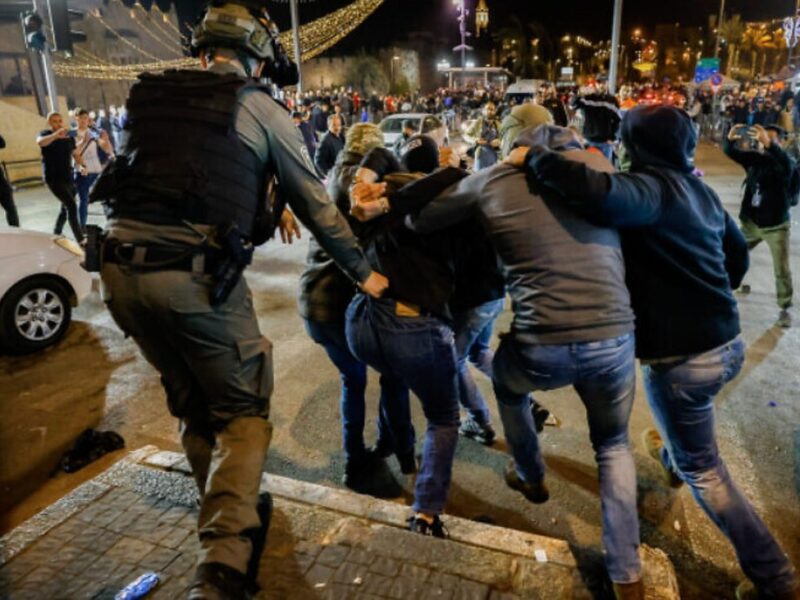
x,y
34,314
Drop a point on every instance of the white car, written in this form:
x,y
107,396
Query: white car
x,y
41,279
392,127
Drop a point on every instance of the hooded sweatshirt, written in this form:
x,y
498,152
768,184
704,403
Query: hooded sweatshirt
x,y
683,252
565,276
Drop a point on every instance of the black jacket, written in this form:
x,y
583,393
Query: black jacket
x,y
420,267
683,252
601,117
328,150
478,273
768,174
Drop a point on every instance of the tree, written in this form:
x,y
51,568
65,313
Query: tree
x,y
366,73
529,45
732,31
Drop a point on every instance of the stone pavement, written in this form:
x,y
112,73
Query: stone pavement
x,y
139,516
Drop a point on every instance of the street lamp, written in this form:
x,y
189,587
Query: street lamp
x,y
462,27
613,67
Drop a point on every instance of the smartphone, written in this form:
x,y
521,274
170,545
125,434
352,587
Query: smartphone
x,y
72,133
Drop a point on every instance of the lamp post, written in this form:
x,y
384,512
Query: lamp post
x,y
298,57
719,28
462,47
613,67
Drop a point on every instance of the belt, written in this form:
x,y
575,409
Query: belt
x,y
159,258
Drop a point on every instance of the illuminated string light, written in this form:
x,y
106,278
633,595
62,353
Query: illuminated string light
x,y
170,46
96,14
315,38
86,55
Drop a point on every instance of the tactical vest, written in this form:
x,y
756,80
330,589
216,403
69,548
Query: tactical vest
x,y
182,159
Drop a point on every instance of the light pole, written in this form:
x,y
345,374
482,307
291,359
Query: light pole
x,y
298,57
719,28
47,67
613,67
462,25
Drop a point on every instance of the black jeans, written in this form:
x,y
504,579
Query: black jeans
x,y
7,201
65,191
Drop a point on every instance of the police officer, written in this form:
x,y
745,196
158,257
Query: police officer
x,y
184,198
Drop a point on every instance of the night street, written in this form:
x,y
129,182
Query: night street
x,y
97,378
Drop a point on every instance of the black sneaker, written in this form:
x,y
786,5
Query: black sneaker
x,y
743,289
421,526
534,492
484,434
784,319
216,581
258,539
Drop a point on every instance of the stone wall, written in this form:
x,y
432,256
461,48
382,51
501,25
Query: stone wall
x,y
331,71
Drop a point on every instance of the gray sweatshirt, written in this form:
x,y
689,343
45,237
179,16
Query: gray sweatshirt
x,y
566,277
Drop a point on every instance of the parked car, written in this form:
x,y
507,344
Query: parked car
x,y
392,127
41,280
523,90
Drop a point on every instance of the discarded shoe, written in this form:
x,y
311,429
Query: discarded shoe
x,y
89,447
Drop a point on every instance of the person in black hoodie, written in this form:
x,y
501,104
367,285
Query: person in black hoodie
x,y
683,255
765,206
601,118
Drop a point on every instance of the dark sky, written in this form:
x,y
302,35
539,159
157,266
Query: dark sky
x,y
591,18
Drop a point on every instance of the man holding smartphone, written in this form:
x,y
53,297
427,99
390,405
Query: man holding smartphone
x,y
92,150
57,147
767,198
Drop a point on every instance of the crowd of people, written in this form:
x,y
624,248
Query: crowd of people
x,y
584,207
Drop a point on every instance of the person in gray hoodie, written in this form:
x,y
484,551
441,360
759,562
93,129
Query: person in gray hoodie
x,y
573,325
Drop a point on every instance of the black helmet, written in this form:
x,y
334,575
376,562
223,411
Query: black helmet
x,y
245,26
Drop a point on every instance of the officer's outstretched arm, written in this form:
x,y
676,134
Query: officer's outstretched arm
x,y
289,159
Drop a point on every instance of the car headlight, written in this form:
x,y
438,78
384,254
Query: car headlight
x,y
70,246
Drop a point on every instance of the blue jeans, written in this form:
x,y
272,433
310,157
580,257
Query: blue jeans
x,y
420,352
473,333
681,397
394,411
84,183
604,375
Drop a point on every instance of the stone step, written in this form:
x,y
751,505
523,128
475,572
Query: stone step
x,y
323,543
